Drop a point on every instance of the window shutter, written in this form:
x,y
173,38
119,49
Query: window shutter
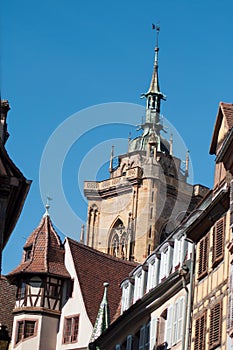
x,y
203,256
176,259
181,312
184,251
215,325
147,337
142,338
153,333
169,260
129,345
168,330
218,241
150,274
162,266
200,330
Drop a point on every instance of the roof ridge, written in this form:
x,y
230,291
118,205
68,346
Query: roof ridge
x,y
97,252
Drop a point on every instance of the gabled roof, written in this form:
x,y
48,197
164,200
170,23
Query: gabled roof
x,y
93,268
46,252
7,302
225,110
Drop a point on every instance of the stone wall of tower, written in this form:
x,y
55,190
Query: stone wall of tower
x,y
144,199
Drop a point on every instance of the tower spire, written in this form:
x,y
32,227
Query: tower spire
x,y
154,95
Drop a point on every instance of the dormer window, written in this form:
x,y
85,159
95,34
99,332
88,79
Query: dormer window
x,y
28,253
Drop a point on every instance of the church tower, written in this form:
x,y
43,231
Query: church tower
x,y
42,283
147,194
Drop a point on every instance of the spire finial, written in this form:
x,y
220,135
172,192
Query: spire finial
x,y
187,164
47,206
82,234
157,28
111,159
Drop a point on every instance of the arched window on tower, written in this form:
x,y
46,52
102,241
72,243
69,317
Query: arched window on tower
x,y
118,240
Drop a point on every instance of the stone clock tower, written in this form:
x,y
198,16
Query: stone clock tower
x,y
147,194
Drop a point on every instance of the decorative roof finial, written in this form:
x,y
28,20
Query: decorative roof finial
x,y
157,27
82,234
111,159
47,206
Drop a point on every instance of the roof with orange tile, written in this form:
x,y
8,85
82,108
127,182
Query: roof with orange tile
x,y
46,252
93,268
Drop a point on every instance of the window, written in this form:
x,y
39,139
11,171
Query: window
x,y
218,241
203,256
70,333
21,290
28,253
180,252
200,330
215,325
25,329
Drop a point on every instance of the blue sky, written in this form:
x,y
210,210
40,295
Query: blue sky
x,y
59,57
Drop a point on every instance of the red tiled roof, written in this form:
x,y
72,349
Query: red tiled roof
x,y
93,268
225,110
7,303
47,252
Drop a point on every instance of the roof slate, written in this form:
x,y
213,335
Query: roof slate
x,y
7,303
47,252
93,268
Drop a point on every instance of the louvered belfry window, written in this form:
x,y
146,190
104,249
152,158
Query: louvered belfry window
x,y
200,333
218,241
215,325
203,256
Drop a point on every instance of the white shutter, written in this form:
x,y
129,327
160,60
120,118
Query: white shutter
x,y
142,338
153,333
175,322
168,330
169,258
149,280
181,312
129,345
162,266
184,251
176,254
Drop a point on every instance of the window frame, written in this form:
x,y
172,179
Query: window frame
x,y
23,324
72,337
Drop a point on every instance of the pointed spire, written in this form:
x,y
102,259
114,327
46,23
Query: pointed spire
x,y
171,145
187,164
82,234
111,159
103,317
154,95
